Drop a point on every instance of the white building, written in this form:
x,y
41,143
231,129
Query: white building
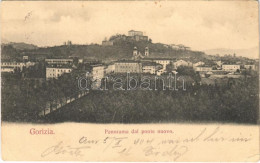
x,y
198,64
231,68
55,72
202,69
181,63
159,61
149,68
128,66
13,64
80,60
20,65
163,62
26,58
98,72
110,69
7,69
28,64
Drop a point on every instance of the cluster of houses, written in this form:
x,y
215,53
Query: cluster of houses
x,y
11,66
179,47
140,63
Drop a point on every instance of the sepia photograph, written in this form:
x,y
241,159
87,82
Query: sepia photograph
x,y
96,64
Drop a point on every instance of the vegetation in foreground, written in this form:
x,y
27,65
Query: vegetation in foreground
x,y
236,103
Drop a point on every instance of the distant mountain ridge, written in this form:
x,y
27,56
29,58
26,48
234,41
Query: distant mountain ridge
x,y
249,53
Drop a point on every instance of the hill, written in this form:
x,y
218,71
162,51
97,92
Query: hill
x,y
22,46
123,50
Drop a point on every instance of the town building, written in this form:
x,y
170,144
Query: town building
x,y
182,63
53,72
14,65
163,61
160,72
250,67
230,67
137,35
80,60
175,47
110,68
149,67
92,62
59,61
179,47
128,66
98,72
107,43
203,68
29,64
7,69
25,58
198,64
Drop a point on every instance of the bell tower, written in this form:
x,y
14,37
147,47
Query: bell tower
x,y
135,52
146,53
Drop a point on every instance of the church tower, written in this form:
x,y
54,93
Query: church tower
x,y
146,53
135,52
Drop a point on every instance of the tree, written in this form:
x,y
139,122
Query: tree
x,y
169,68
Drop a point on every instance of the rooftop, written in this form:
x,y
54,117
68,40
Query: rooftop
x,y
134,31
59,66
127,61
97,65
59,59
159,59
149,64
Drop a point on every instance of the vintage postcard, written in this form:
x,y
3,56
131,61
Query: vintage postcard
x,y
167,81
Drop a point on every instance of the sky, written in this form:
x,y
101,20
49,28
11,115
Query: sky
x,y
200,25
